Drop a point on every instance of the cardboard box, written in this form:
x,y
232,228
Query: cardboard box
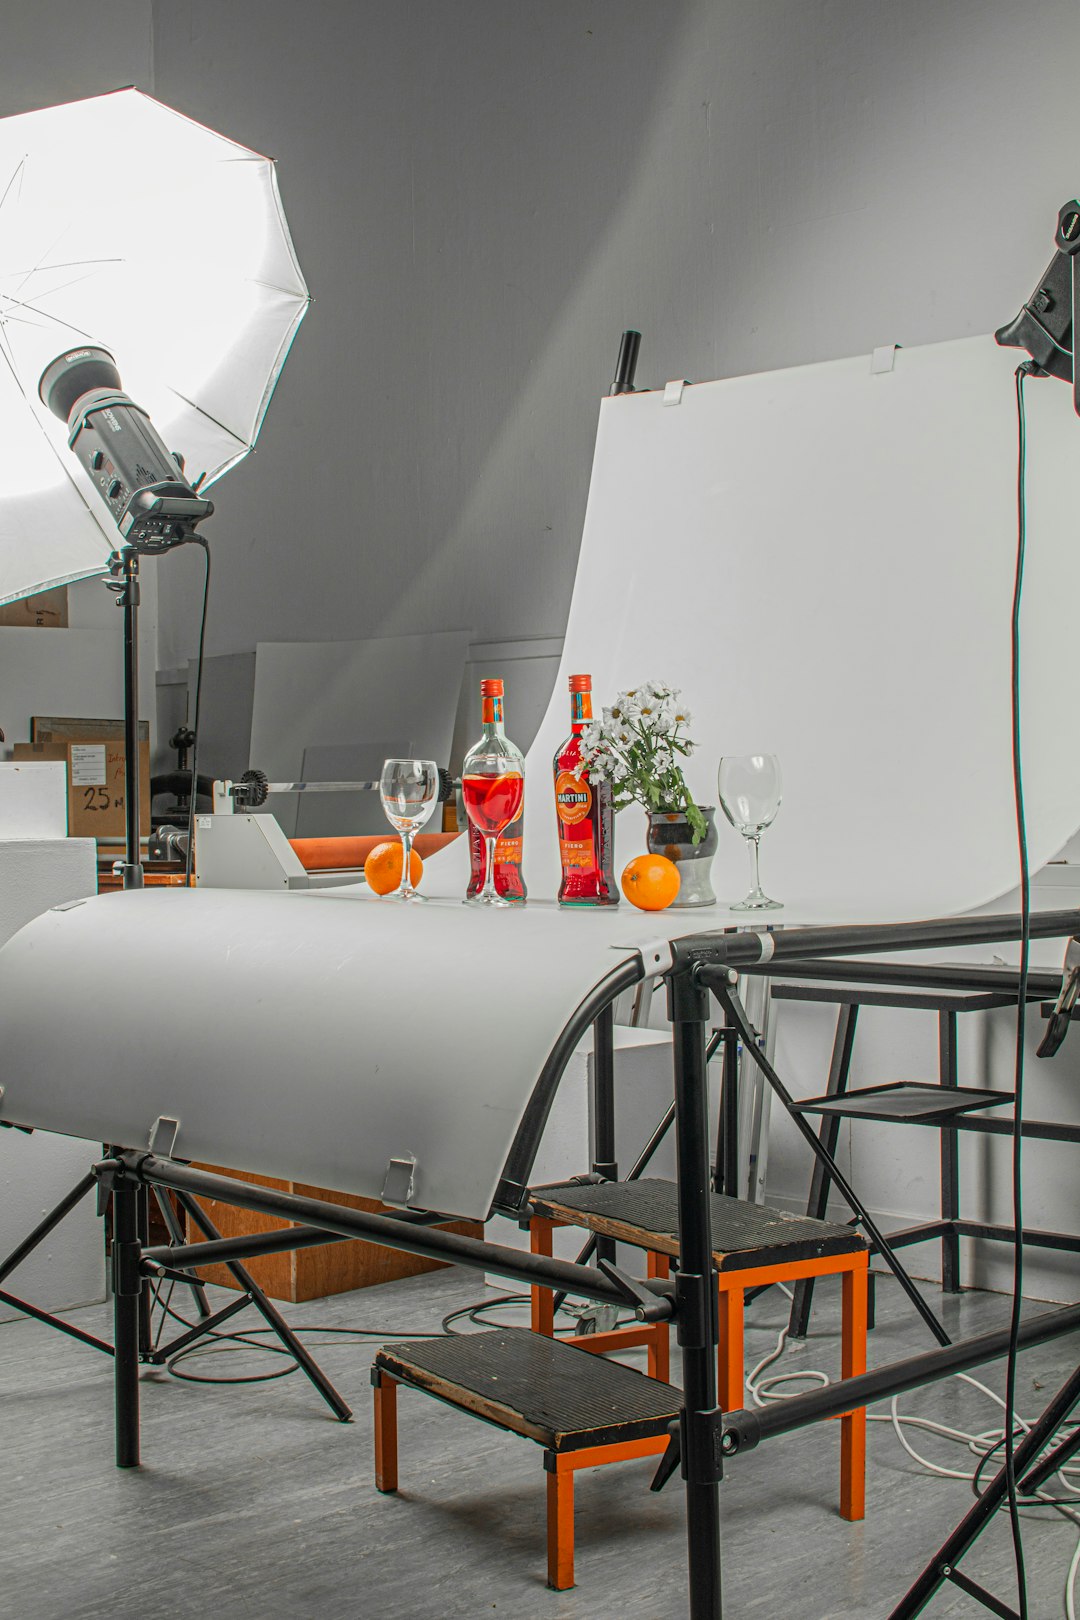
x,y
95,776
47,610
52,728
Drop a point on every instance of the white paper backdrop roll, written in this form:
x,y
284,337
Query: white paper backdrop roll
x,y
822,559
333,1034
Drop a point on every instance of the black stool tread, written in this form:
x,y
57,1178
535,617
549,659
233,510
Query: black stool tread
x,y
562,1397
645,1213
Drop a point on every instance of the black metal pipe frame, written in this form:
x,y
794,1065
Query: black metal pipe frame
x,y
745,1430
513,1189
386,1230
967,976
713,953
696,1299
603,1111
127,1281
698,963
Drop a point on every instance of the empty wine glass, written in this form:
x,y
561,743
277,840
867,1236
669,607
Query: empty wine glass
x,y
409,789
750,789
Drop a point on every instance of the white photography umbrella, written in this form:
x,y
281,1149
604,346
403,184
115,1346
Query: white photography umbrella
x,y
126,225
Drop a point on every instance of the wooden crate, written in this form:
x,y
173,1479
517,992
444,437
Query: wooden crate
x,y
332,1268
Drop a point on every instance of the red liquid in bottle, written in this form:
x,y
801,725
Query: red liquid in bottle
x,y
493,802
509,846
585,814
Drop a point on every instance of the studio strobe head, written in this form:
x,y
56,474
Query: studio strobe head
x,y
135,475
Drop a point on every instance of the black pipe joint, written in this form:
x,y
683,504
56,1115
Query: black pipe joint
x,y
701,1440
742,1432
126,1268
687,998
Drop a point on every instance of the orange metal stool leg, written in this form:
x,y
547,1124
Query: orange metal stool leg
x,y
560,1520
853,1425
542,1299
386,1449
729,1353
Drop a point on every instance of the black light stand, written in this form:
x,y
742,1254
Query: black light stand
x,y
942,1567
124,581
141,483
1045,324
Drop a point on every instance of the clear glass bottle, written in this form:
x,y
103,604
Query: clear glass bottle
x,y
493,789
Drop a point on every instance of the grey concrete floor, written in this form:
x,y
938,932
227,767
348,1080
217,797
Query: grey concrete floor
x,y
254,1503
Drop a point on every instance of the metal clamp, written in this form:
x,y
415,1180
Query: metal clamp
x,y
1061,1017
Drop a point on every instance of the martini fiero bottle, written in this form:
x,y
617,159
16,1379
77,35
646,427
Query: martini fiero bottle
x,y
585,815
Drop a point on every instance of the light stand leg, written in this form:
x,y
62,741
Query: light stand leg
x,y
270,1315
696,1296
127,1292
42,1230
942,1567
15,1259
178,1236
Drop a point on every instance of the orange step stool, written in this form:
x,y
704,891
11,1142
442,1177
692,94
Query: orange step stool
x,y
752,1247
582,1409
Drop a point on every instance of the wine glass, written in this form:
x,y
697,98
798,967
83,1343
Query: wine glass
x,y
493,787
750,789
408,789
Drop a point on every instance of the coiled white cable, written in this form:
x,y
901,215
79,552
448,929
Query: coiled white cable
x,y
763,1390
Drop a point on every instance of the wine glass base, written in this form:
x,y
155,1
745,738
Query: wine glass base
x,y
752,903
487,900
408,897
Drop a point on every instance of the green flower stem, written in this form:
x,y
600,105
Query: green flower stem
x,y
645,783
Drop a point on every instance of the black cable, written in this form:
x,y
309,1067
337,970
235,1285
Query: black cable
x,y
199,540
1012,1497
230,1342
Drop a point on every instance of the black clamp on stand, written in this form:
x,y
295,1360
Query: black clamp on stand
x,y
123,581
1045,324
1061,1015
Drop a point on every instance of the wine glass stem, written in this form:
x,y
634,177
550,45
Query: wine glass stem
x,y
489,893
755,875
405,888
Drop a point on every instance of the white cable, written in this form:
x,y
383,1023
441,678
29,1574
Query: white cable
x,y
763,1390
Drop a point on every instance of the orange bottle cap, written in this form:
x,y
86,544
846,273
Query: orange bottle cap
x,y
492,688
581,683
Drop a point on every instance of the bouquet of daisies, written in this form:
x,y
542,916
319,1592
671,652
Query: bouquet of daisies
x,y
636,745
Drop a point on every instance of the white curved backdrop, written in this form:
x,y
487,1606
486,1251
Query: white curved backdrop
x,y
822,559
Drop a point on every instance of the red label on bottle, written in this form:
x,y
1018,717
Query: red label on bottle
x,y
573,798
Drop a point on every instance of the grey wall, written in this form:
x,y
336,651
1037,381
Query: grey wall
x,y
484,192
62,50
55,51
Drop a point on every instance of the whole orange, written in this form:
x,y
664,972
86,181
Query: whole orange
x,y
383,867
650,882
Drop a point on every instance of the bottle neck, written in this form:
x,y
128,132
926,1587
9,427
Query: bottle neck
x,y
491,713
580,710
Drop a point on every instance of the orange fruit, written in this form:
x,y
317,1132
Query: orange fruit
x,y
383,867
650,882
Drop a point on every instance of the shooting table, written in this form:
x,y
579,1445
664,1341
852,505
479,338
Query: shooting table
x,y
309,1009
